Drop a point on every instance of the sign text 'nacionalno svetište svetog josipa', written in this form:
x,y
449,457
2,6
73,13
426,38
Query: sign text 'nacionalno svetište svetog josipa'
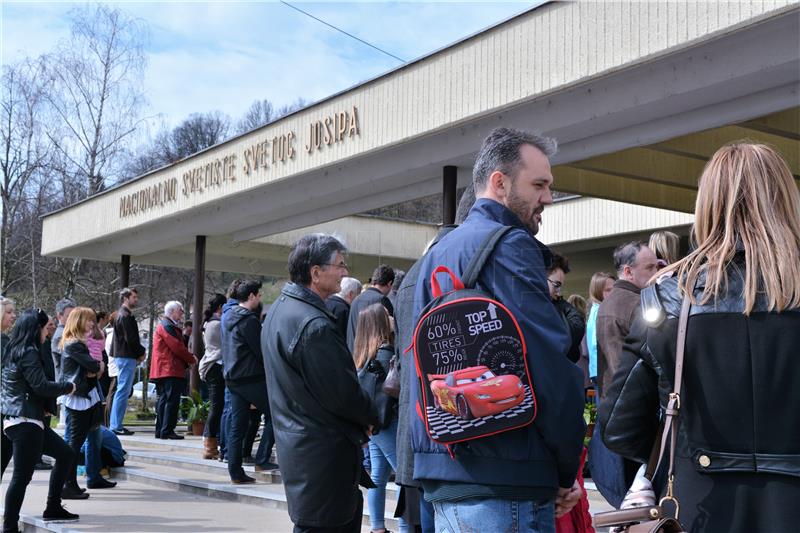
x,y
263,154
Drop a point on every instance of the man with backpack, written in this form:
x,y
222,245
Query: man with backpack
x,y
525,476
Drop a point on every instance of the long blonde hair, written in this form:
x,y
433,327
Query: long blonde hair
x,y
372,330
597,285
665,245
75,327
746,198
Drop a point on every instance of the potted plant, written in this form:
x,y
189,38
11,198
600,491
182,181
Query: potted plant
x,y
590,417
196,412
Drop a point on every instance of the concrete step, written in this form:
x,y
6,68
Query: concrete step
x,y
179,460
217,485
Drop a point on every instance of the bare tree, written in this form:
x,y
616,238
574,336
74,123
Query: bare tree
x,y
259,113
97,96
198,132
24,152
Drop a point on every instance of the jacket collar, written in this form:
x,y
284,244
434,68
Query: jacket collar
x,y
339,299
487,208
627,285
304,294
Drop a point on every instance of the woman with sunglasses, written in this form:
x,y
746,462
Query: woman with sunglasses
x,y
26,397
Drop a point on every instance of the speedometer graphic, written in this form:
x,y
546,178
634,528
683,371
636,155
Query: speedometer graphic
x,y
503,355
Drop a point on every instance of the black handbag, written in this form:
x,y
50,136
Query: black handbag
x,y
653,519
371,378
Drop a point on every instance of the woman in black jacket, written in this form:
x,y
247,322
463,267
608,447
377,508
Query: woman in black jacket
x,y
26,397
84,405
737,465
373,348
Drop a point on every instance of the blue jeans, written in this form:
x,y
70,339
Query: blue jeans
x,y
382,458
126,367
479,514
224,425
426,515
242,396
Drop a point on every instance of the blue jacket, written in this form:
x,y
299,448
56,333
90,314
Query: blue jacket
x,y
545,454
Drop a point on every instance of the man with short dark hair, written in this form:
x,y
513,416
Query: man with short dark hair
x,y
556,273
243,368
382,282
128,352
322,416
519,479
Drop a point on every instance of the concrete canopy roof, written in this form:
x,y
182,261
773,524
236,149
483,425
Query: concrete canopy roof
x,y
638,94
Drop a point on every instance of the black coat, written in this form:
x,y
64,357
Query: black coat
x,y
241,347
576,326
738,454
25,389
76,362
319,412
340,310
126,342
370,296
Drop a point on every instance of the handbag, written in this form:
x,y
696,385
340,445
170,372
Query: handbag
x,y
371,378
391,385
653,519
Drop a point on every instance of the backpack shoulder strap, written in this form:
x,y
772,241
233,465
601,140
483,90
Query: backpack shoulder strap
x,y
473,270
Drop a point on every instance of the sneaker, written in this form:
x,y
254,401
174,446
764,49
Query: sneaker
x,y
266,467
101,483
245,480
58,514
172,436
70,493
123,431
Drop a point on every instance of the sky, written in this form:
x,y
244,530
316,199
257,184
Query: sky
x,y
206,56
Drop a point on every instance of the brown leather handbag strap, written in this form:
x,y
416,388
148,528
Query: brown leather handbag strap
x,y
670,432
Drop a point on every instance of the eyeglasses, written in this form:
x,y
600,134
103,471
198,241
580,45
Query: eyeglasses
x,y
556,284
340,265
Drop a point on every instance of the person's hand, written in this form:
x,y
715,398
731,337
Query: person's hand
x,y
368,433
90,375
566,499
139,361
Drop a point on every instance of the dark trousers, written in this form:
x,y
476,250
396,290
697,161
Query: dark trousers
x,y
252,430
242,396
216,397
29,443
169,399
6,449
79,424
353,526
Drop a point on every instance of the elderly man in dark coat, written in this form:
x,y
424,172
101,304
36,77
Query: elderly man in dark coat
x,y
321,416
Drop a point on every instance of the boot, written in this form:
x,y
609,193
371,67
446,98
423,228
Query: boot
x,y
211,451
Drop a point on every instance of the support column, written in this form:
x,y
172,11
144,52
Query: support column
x,y
197,304
125,271
449,182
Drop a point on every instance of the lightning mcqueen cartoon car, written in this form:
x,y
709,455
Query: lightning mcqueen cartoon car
x,y
475,392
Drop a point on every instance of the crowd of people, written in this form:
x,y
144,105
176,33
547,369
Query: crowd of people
x,y
328,370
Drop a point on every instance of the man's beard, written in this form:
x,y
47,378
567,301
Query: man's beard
x,y
524,211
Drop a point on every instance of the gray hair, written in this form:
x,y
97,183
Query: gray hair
x,y
500,151
64,304
350,285
171,307
625,254
316,249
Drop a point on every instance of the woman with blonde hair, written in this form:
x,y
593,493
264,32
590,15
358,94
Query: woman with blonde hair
x,y
373,348
84,405
738,461
666,246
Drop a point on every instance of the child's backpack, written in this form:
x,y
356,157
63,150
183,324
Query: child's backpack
x,y
471,359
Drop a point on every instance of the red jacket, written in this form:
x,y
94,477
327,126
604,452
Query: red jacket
x,y
171,358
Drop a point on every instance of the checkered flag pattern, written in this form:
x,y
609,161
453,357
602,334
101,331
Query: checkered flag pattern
x,y
442,424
